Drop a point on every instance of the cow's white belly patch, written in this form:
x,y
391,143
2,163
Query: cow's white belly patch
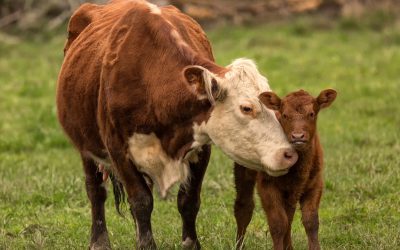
x,y
149,157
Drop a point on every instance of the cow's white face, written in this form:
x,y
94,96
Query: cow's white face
x,y
242,126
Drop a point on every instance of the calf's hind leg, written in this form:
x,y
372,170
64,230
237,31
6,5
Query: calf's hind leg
x,y
189,199
97,195
245,180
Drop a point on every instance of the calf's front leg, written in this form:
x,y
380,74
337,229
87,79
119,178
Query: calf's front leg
x,y
309,208
274,207
287,241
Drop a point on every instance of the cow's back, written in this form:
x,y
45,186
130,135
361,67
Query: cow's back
x,y
117,64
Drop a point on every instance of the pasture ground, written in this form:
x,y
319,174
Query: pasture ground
x,y
43,203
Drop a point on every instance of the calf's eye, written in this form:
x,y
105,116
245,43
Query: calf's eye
x,y
312,114
285,116
246,109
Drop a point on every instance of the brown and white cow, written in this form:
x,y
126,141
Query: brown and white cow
x,y
139,93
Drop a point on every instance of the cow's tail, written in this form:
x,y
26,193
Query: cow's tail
x,y
119,193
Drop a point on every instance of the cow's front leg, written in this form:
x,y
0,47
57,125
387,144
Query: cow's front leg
x,y
189,199
97,195
139,194
245,180
140,200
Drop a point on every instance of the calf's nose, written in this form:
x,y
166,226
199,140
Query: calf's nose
x,y
297,136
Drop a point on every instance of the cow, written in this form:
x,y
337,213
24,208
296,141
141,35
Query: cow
x,y
303,184
139,94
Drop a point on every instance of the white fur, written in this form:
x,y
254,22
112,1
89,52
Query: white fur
x,y
150,158
251,141
178,39
154,9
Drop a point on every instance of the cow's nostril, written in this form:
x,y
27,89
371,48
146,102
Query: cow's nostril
x,y
288,155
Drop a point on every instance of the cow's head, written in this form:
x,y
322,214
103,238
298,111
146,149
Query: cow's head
x,y
297,112
239,124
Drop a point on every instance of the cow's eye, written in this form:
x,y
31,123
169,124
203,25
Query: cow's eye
x,y
246,109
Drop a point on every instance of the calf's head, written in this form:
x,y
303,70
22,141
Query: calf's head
x,y
239,124
297,112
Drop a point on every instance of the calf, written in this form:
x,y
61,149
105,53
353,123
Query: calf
x,y
139,94
297,113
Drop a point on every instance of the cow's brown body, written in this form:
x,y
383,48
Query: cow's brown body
x,y
303,183
122,74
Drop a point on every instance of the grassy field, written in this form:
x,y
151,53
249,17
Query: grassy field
x,y
43,203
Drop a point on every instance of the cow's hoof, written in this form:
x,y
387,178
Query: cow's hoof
x,y
102,243
149,245
188,243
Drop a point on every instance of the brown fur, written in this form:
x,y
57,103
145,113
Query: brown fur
x,y
297,113
122,74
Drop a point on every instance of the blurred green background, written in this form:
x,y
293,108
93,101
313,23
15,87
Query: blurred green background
x,y
43,203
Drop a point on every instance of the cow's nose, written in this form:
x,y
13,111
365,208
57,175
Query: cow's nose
x,y
297,136
289,154
290,157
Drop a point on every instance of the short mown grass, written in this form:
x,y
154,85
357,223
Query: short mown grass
x,y
43,203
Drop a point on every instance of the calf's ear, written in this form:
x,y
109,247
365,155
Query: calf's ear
x,y
271,100
326,97
203,83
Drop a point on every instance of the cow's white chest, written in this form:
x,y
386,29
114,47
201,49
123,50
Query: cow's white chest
x,y
149,157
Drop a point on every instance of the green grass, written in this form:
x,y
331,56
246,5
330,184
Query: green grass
x,y
43,203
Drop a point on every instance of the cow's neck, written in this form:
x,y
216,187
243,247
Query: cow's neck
x,y
165,155
189,133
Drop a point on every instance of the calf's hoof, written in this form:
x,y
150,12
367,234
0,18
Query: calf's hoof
x,y
102,243
188,243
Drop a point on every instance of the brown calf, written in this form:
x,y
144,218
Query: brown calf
x,y
297,113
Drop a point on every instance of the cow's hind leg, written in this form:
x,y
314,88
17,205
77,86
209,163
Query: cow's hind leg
x,y
97,195
189,200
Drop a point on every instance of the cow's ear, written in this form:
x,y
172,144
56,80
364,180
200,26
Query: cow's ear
x,y
271,100
204,83
326,97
